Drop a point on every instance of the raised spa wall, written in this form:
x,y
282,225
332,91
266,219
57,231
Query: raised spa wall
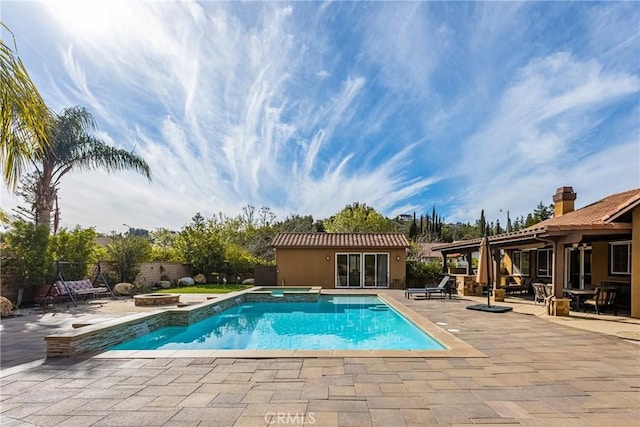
x,y
102,336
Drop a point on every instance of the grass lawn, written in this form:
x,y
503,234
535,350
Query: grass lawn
x,y
204,289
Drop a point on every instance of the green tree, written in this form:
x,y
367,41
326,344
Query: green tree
x,y
24,114
200,245
78,246
73,148
359,218
27,256
129,252
294,223
542,212
163,245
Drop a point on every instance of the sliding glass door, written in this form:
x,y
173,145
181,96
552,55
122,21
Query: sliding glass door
x,y
356,270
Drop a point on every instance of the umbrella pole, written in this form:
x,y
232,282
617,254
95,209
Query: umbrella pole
x,y
488,273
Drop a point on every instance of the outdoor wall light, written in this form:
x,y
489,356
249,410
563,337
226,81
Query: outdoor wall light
x,y
328,258
398,258
574,245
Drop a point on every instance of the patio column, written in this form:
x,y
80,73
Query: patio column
x,y
635,263
557,276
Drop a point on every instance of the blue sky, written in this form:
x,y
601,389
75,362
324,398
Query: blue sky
x,y
306,107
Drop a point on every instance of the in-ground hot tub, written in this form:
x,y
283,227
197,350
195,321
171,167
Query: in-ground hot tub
x,y
156,299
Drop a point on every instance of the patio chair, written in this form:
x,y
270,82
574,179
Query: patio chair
x,y
603,297
442,289
540,293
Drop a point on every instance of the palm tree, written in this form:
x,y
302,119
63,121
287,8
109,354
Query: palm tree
x,y
73,148
23,115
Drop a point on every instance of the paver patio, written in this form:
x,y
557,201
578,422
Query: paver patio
x,y
537,373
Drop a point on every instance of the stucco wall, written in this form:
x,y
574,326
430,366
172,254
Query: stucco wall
x,y
635,264
309,267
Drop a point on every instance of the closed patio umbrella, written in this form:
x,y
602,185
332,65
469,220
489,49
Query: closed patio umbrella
x,y
486,276
485,273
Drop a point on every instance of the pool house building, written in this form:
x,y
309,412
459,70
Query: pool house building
x,y
341,260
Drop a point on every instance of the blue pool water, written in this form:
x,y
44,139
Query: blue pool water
x,y
332,323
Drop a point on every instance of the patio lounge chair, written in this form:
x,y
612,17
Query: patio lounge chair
x,y
443,288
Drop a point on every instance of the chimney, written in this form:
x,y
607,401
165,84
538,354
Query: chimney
x,y
564,201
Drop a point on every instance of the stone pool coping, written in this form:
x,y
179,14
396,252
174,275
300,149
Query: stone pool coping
x,y
95,339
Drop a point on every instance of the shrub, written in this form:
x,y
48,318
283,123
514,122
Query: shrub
x,y
28,258
76,246
129,253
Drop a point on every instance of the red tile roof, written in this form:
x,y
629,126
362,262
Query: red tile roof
x,y
340,240
596,215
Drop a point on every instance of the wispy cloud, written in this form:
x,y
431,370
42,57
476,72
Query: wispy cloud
x,y
307,107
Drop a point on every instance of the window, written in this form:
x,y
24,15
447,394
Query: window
x,y
520,263
621,258
545,263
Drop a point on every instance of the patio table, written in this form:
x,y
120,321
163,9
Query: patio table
x,y
580,296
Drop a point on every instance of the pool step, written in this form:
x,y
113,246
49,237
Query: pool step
x,y
379,308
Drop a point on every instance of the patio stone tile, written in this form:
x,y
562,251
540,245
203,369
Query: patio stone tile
x,y
42,396
377,378
24,410
387,418
223,388
393,402
172,423
377,367
46,420
215,377
354,419
311,372
135,418
322,419
197,370
443,385
277,365
163,379
63,407
17,387
418,416
287,373
338,406
394,388
423,375
132,403
332,370
81,420
368,389
239,377
262,409
258,396
263,375
236,367
286,395
314,392
449,414
171,389
341,390
4,407
355,368
283,385
323,362
228,398
163,402
442,397
467,383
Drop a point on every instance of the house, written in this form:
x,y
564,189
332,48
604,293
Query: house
x,y
579,248
341,260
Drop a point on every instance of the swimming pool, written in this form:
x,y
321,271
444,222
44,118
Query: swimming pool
x,y
333,322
